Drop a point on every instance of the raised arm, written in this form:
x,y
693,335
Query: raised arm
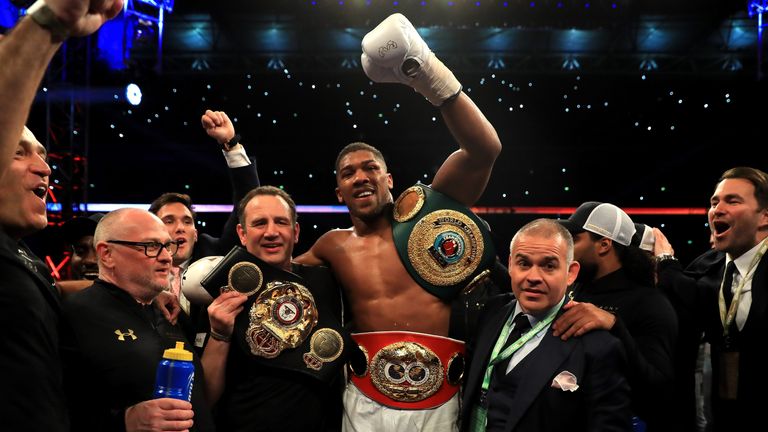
x,y
394,52
465,173
242,171
27,50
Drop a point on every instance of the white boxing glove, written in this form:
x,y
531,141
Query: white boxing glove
x,y
193,275
394,52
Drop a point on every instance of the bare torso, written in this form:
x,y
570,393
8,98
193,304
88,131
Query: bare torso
x,y
382,295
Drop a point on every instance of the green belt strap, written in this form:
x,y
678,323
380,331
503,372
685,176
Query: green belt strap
x,y
441,243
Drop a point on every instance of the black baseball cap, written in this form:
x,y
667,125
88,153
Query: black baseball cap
x,y
78,227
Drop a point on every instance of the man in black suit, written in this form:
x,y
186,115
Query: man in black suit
x,y
730,307
31,396
532,380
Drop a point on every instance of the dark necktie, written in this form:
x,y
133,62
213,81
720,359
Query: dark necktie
x,y
522,325
728,283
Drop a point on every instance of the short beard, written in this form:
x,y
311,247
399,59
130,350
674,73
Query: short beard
x,y
153,288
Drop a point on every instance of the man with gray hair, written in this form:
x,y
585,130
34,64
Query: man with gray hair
x,y
115,337
31,397
524,378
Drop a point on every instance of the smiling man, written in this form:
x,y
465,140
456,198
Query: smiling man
x,y
29,302
274,393
393,286
268,226
31,397
724,293
78,234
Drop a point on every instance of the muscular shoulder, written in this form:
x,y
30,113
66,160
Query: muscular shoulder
x,y
335,235
323,251
312,271
331,241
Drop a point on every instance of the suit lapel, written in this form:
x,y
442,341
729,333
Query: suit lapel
x,y
487,339
535,372
759,298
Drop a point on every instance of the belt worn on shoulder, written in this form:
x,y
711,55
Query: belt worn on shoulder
x,y
407,370
441,242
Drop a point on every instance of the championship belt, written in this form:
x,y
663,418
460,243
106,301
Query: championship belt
x,y
441,243
282,324
407,370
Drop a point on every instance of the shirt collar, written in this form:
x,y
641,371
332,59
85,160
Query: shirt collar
x,y
743,262
534,319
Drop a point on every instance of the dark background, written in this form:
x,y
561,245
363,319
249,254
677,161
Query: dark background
x,y
610,130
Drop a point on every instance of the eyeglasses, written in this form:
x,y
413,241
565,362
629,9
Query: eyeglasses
x,y
152,249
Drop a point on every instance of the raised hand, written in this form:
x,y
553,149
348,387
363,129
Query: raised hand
x,y
81,17
394,52
218,126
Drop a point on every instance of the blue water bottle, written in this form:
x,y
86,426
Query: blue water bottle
x,y
175,374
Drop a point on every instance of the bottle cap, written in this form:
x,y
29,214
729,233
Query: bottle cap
x,y
178,353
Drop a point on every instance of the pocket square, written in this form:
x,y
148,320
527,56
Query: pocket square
x,y
565,381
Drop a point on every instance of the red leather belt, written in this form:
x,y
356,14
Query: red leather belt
x,y
408,370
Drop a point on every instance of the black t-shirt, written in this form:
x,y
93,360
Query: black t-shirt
x,y
111,346
261,398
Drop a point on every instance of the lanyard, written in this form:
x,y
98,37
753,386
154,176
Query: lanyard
x,y
727,318
479,417
497,357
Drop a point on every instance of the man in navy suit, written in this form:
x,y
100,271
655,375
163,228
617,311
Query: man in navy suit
x,y
732,310
532,380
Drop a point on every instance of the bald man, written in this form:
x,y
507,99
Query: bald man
x,y
115,337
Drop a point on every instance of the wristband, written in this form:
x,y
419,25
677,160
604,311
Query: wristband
x,y
231,143
220,337
666,257
45,18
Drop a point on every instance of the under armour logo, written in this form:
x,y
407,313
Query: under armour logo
x,y
121,336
